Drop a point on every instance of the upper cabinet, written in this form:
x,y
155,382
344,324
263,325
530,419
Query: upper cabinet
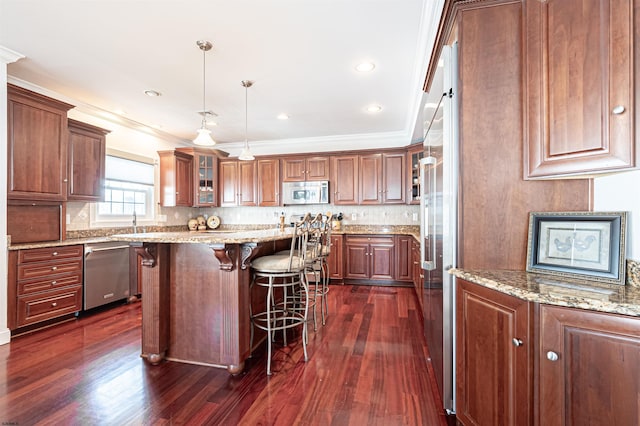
x,y
414,155
344,179
205,176
382,178
296,169
87,148
237,183
176,179
37,146
268,182
579,80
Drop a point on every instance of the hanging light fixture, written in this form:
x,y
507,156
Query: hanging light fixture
x,y
246,155
204,135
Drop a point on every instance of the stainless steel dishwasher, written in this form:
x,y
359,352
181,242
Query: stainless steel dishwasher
x,y
106,273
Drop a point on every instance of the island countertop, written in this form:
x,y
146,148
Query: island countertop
x,y
546,289
207,237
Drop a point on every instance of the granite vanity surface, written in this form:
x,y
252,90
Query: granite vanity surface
x,y
551,290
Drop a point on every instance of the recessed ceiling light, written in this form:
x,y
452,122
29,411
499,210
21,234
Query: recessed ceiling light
x,y
283,116
365,67
152,93
374,108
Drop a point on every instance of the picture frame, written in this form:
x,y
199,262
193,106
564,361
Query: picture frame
x,y
582,245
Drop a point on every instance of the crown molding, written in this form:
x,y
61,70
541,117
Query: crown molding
x,y
9,56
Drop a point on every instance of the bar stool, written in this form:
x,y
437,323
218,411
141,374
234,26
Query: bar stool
x,y
323,265
286,273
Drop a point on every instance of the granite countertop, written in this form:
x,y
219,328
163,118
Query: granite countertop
x,y
67,242
551,290
207,237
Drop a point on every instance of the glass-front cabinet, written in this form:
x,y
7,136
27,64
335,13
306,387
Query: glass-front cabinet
x,y
205,171
414,154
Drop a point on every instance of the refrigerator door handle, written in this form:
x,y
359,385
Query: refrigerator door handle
x,y
427,209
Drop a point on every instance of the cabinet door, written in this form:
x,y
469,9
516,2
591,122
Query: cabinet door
x,y
394,177
228,183
317,168
293,169
206,172
404,258
418,276
414,154
268,182
356,259
87,150
37,146
371,179
589,367
184,181
493,357
382,259
579,76
344,179
247,174
176,179
335,260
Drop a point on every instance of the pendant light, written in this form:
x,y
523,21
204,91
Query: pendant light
x,y
204,135
246,155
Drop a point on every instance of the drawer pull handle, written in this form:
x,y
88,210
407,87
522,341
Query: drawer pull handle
x,y
617,110
55,253
516,342
53,268
54,304
54,282
552,356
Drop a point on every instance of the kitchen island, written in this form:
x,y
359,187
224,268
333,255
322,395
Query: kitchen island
x,y
195,287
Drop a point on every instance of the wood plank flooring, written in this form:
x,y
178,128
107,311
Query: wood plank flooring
x,y
367,366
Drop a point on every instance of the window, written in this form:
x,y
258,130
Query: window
x,y
128,189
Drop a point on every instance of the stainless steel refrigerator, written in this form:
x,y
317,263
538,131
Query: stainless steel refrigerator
x,y
438,220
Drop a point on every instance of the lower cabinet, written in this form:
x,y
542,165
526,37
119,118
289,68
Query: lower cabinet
x,y
44,283
579,367
369,257
493,357
335,260
589,368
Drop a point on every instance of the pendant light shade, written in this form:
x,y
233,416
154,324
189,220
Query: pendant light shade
x,y
246,155
204,135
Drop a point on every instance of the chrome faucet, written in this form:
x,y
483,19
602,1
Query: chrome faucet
x,y
135,223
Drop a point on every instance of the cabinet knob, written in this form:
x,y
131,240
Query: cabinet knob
x,y
65,180
53,268
54,304
55,253
552,356
517,342
54,282
618,109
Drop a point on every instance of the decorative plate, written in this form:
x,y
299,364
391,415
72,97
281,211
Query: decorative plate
x,y
213,222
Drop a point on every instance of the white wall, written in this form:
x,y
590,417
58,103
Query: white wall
x,y
620,192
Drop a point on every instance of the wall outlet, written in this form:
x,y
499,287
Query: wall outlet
x,y
354,216
415,217
68,218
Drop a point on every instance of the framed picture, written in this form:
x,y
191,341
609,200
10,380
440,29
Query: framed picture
x,y
586,245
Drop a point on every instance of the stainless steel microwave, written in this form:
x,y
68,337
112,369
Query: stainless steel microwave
x,y
314,192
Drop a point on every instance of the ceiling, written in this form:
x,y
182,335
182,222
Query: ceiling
x,y
301,55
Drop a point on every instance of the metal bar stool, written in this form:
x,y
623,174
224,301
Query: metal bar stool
x,y
286,273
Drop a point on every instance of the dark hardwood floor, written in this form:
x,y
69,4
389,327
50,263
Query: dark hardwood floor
x,y
367,366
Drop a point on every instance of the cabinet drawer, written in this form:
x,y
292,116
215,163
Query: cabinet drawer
x,y
44,306
46,269
50,253
369,240
51,283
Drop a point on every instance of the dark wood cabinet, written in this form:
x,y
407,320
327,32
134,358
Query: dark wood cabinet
x,y
404,258
370,179
44,283
589,367
87,150
414,154
37,146
418,274
344,181
296,169
268,182
205,176
176,179
369,257
394,177
494,357
336,258
579,76
237,183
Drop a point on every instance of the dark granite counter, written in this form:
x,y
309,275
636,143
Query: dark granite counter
x,y
547,289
